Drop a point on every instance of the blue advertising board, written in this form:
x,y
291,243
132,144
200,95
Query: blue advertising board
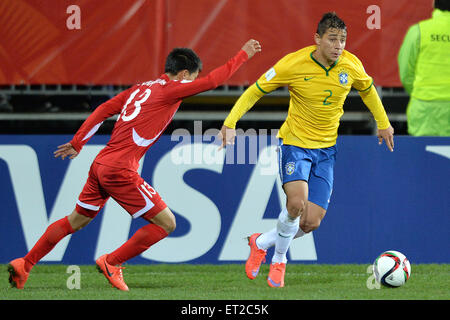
x,y
381,200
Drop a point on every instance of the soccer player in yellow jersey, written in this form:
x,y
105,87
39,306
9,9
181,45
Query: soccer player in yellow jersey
x,y
319,78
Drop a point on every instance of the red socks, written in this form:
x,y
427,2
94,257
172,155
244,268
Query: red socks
x,y
143,239
54,233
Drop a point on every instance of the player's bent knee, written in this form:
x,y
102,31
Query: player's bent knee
x,y
309,225
170,226
166,220
296,206
78,221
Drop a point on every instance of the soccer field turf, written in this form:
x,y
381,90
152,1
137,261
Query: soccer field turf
x,y
227,282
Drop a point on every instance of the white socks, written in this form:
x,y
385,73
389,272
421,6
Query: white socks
x,y
287,228
267,239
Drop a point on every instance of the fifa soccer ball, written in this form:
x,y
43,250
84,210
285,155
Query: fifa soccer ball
x,y
392,269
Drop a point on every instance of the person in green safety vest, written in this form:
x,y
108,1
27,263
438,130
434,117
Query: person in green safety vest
x,y
424,66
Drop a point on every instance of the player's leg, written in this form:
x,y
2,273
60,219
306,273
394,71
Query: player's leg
x,y
111,264
288,220
139,199
312,202
320,191
267,239
310,218
309,221
287,227
160,226
20,268
294,167
55,233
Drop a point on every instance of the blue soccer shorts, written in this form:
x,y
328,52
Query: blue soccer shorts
x,y
315,166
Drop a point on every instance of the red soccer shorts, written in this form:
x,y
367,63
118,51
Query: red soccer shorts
x,y
127,187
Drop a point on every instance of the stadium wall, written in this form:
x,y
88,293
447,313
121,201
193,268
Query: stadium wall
x,y
123,42
381,200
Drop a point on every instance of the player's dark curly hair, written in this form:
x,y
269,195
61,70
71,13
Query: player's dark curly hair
x,y
330,20
180,59
443,5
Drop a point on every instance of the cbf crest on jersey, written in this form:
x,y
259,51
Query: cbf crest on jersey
x,y
343,77
290,168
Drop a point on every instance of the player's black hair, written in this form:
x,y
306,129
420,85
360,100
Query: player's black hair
x,y
180,59
330,20
443,5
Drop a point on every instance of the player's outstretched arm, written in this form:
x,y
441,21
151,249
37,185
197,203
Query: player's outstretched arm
x,y
90,126
373,102
217,76
65,150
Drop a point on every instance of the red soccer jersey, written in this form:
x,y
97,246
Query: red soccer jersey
x,y
145,110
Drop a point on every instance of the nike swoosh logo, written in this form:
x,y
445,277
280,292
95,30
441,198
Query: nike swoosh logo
x,y
306,79
283,236
142,142
107,271
276,284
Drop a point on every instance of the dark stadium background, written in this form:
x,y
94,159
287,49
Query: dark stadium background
x,y
53,72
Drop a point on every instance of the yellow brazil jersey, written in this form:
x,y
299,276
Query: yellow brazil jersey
x,y
317,96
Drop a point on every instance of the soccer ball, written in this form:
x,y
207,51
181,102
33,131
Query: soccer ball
x,y
392,269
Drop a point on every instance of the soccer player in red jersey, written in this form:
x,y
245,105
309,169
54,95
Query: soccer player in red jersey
x,y
144,112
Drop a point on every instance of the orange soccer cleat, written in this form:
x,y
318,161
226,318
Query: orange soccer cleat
x,y
112,273
257,256
17,274
275,279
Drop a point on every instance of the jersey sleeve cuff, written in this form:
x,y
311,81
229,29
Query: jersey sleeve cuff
x,y
76,145
383,125
229,123
242,54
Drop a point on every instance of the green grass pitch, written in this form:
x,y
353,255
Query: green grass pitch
x,y
226,282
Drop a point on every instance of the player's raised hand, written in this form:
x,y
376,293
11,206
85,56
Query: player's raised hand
x,y
251,47
388,136
65,150
227,136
